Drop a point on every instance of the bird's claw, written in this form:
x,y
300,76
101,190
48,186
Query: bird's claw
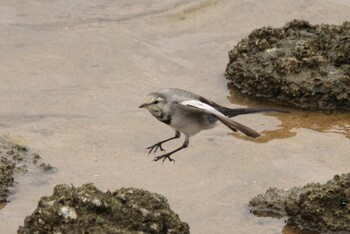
x,y
164,157
154,148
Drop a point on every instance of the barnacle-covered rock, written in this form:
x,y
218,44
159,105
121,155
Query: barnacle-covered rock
x,y
324,208
88,210
300,64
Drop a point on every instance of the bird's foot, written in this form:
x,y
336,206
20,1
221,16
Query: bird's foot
x,y
155,147
164,157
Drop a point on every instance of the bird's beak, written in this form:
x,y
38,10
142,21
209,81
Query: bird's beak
x,y
143,105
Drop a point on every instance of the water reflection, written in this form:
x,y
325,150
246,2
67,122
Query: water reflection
x,y
2,205
316,120
293,229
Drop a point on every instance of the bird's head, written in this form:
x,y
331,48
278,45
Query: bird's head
x,y
154,103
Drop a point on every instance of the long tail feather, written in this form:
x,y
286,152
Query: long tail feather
x,y
234,126
243,111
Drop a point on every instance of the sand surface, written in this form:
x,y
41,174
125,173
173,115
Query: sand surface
x,y
74,72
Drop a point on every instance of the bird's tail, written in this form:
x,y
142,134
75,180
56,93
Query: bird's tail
x,y
243,111
234,126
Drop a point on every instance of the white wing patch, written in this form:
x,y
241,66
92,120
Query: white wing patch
x,y
198,106
202,107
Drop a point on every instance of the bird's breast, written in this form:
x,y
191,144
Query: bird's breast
x,y
167,119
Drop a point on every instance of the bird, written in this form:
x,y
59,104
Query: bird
x,y
189,113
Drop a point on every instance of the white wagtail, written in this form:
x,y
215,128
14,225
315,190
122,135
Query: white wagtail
x,y
189,113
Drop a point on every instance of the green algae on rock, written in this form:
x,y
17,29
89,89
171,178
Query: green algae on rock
x,y
86,209
300,65
16,159
324,208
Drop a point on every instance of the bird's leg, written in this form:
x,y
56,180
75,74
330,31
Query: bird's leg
x,y
167,155
158,145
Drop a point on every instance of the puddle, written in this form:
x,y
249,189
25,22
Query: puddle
x,y
319,121
292,229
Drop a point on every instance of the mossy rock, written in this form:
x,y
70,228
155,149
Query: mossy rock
x,y
324,208
88,210
301,65
15,160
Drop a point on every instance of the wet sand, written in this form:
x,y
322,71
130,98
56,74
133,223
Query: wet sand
x,y
73,74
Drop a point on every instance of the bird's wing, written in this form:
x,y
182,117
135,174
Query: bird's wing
x,y
198,106
211,103
201,107
232,112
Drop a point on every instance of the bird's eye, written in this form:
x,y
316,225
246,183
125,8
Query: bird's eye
x,y
156,102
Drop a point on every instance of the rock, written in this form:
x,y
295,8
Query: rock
x,y
324,208
300,65
86,209
7,168
16,159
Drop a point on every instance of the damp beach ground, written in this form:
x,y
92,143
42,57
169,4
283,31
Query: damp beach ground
x,y
74,73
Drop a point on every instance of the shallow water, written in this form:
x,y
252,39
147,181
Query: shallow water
x,y
73,74
321,121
